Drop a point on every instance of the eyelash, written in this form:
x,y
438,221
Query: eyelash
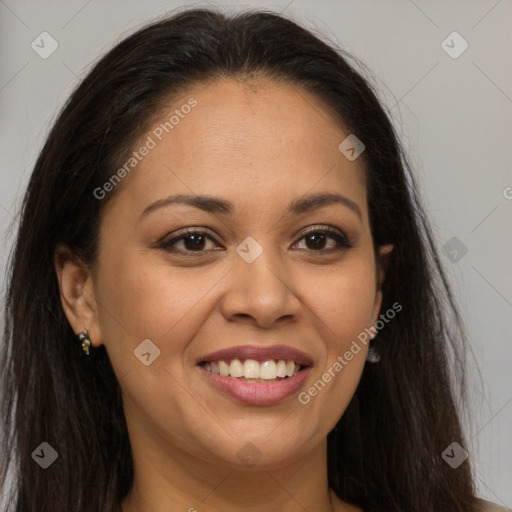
x,y
342,241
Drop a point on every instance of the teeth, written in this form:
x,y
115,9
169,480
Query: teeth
x,y
281,368
236,369
254,371
251,369
223,368
268,370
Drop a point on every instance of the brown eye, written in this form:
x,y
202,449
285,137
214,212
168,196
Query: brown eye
x,y
317,239
192,241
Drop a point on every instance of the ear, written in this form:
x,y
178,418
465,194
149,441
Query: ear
x,y
382,266
77,293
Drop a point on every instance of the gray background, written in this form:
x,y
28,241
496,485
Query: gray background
x,y
453,114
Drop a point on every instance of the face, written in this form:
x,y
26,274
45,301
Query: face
x,y
266,267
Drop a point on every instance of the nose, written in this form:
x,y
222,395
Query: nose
x,y
260,293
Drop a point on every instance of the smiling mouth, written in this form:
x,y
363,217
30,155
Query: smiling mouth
x,y
250,370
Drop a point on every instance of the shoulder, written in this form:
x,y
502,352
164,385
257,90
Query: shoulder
x,y
488,506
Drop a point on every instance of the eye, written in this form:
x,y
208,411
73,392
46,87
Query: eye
x,y
194,241
317,238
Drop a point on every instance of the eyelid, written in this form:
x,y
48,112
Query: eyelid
x,y
331,231
342,239
321,227
167,241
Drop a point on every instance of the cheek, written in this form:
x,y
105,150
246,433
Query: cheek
x,y
139,299
343,299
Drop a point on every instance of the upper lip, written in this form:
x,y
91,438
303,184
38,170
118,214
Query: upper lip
x,y
258,353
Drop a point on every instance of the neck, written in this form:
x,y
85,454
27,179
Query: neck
x,y
172,478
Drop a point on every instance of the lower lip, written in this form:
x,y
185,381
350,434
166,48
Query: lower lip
x,y
257,393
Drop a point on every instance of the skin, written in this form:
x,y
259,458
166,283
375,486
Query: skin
x,y
259,145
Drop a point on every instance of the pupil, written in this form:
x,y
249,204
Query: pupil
x,y
320,238
197,241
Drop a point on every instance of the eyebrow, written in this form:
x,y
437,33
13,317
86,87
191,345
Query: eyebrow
x,y
216,205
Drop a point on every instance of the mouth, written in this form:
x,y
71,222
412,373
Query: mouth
x,y
256,375
250,370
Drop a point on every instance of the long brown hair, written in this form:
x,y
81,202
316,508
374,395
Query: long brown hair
x,y
385,452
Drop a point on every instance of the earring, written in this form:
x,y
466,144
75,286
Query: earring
x,y
373,355
86,342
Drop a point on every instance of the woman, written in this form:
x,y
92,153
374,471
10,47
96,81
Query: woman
x,y
224,293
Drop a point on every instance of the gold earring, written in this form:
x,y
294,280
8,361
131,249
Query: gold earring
x,y
86,341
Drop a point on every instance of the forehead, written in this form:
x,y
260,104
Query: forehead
x,y
244,141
